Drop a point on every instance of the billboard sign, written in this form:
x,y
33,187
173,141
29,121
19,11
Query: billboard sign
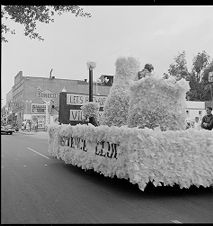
x,y
70,106
46,95
38,108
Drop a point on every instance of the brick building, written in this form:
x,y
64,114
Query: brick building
x,y
30,96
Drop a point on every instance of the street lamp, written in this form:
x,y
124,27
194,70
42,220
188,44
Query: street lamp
x,y
91,66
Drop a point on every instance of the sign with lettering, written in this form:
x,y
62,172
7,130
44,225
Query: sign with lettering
x,y
38,108
77,115
70,106
102,148
46,95
77,99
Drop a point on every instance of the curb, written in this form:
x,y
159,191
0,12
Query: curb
x,y
26,133
32,133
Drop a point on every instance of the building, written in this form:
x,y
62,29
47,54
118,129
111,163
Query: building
x,y
31,96
195,109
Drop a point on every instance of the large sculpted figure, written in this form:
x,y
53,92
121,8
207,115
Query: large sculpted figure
x,y
158,103
117,104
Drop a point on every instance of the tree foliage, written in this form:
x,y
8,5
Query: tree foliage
x,y
200,61
200,88
205,75
178,69
30,15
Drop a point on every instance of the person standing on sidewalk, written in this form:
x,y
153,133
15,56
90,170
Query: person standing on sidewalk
x,y
207,120
28,126
36,126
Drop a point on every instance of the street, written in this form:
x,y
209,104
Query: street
x,y
36,188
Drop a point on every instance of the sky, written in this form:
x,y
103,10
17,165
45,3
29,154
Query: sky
x,y
151,34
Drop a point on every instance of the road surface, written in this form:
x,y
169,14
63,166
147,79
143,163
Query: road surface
x,y
36,188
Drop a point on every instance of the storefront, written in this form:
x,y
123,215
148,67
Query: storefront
x,y
32,95
38,115
40,119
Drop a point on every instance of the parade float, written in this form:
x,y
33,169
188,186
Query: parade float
x,y
141,136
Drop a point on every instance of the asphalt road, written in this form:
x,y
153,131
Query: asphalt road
x,y
36,188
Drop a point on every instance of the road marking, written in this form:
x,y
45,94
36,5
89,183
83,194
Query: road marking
x,y
38,153
176,221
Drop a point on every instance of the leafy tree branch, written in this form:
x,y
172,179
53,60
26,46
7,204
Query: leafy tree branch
x,y
30,15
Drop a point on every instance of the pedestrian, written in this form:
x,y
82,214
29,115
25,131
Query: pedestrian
x,y
197,123
28,126
24,125
148,68
36,126
207,120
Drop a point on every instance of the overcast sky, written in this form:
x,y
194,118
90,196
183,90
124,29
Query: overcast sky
x,y
152,34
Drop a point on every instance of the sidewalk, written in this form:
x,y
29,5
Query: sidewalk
x,y
27,133
42,134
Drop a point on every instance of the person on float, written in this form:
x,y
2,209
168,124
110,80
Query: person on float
x,y
147,71
207,120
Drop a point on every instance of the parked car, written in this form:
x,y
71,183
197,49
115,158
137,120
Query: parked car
x,y
7,129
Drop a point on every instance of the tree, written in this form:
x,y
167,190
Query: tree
x,y
196,89
207,69
30,15
198,79
200,61
208,87
179,68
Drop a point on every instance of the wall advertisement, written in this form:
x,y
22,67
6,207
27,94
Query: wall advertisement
x,y
38,108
